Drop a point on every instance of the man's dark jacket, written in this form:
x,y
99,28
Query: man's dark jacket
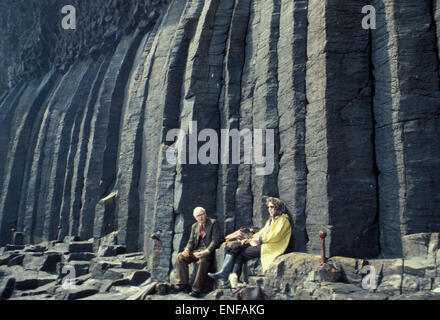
x,y
211,239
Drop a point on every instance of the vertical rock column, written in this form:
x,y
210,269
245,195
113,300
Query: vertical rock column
x,y
72,203
406,109
229,108
243,194
196,181
265,112
21,145
166,64
130,148
81,109
61,140
100,169
341,184
436,20
44,168
292,58
6,113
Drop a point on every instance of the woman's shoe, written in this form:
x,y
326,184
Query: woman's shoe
x,y
233,280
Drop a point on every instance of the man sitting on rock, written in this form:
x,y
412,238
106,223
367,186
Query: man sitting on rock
x,y
203,240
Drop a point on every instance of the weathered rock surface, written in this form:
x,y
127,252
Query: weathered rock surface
x,y
298,276
73,272
86,118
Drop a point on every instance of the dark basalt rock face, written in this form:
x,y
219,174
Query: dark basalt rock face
x,y
85,113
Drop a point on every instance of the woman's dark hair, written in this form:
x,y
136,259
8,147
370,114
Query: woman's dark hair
x,y
279,205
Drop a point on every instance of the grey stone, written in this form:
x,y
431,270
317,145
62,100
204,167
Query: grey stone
x,y
68,239
81,256
134,263
26,284
139,277
80,246
13,247
148,290
111,250
121,282
80,268
7,286
16,260
77,293
51,260
404,206
18,238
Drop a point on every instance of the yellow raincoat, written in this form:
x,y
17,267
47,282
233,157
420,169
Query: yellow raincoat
x,y
275,239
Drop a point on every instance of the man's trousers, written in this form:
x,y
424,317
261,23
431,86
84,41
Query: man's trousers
x,y
182,272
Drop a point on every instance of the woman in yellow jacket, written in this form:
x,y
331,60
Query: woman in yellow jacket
x,y
270,242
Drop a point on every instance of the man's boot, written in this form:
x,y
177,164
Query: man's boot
x,y
226,268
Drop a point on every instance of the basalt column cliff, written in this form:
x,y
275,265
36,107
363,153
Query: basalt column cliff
x,y
85,114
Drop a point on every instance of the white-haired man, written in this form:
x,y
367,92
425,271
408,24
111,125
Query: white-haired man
x,y
203,240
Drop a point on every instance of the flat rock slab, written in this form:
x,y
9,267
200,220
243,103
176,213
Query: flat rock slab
x,y
134,263
76,293
81,246
81,256
111,250
12,247
16,261
6,287
139,277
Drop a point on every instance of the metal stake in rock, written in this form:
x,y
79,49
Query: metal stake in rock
x,y
156,236
322,235
12,235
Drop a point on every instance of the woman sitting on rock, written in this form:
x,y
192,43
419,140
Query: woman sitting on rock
x,y
268,243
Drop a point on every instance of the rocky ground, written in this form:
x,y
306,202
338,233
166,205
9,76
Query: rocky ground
x,y
104,271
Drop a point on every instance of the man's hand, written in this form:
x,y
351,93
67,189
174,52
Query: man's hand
x,y
254,242
201,254
185,253
245,241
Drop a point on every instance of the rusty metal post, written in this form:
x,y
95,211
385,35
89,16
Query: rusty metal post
x,y
322,235
156,236
12,235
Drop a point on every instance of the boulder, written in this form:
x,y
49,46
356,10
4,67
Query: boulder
x,y
77,293
105,271
51,259
26,284
134,263
16,260
80,246
121,282
81,256
138,277
18,238
111,250
73,269
4,258
68,239
35,248
148,290
13,247
7,286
